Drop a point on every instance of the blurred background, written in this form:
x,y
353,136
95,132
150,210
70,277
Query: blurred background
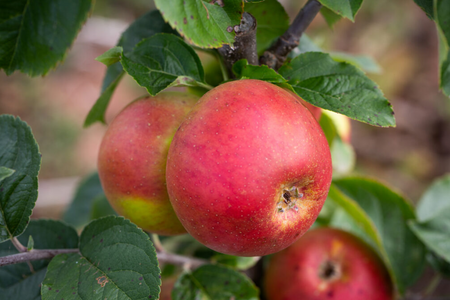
x,y
397,34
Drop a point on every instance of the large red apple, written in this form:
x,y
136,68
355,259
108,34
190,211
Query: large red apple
x,y
327,264
249,169
132,160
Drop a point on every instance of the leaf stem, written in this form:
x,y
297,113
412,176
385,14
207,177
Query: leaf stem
x,y
21,248
222,65
204,85
432,285
157,243
275,56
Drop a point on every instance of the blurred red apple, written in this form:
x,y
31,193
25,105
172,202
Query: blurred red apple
x,y
249,169
328,264
342,124
132,160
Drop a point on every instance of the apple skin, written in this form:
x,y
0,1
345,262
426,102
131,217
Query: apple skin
x,y
327,263
315,111
132,160
242,147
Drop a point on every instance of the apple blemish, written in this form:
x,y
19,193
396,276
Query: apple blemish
x,y
289,199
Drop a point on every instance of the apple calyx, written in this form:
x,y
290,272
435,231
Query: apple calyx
x,y
330,271
289,198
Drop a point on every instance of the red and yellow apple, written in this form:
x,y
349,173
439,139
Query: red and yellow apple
x,y
249,169
328,263
132,160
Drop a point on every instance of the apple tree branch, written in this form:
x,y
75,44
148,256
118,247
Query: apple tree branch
x,y
244,45
275,56
35,254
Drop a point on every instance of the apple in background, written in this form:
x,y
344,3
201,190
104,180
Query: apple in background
x,y
249,169
167,287
328,263
132,160
342,124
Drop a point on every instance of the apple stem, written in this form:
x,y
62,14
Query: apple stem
x,y
157,243
244,46
275,56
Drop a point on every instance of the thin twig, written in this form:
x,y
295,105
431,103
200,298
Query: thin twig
x,y
33,255
244,46
275,56
185,261
432,286
21,248
163,257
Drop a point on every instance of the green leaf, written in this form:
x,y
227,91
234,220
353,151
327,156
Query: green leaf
x,y
235,262
243,70
306,44
30,244
117,261
18,192
101,208
434,200
146,26
339,87
442,18
202,23
272,22
343,157
433,214
97,112
438,264
212,282
84,207
330,17
172,62
390,213
5,172
111,56
35,35
349,216
364,62
445,75
345,8
435,233
17,281
426,6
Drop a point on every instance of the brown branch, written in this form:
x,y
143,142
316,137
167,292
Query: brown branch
x,y
244,46
185,261
275,56
163,257
33,255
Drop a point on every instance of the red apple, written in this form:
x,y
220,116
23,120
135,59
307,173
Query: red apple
x,y
132,160
167,287
316,111
249,169
328,263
